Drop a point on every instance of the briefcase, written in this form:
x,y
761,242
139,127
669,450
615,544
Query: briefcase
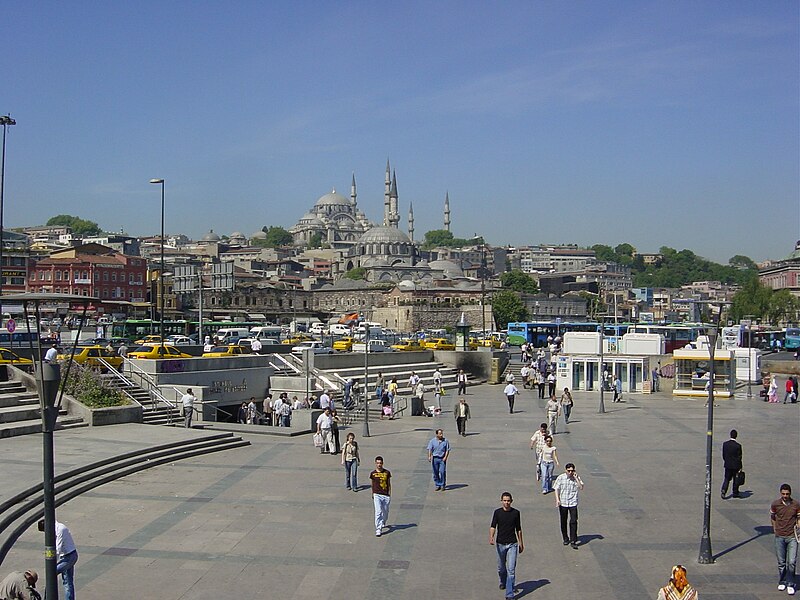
x,y
740,479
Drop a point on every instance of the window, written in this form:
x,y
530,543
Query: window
x,y
113,277
97,276
58,275
105,275
41,275
47,275
66,276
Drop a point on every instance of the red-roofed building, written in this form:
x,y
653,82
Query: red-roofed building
x,y
91,270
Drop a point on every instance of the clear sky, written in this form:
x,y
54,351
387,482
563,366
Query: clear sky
x,y
654,123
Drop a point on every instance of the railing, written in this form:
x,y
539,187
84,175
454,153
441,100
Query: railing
x,y
146,382
111,370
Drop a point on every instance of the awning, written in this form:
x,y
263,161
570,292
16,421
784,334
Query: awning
x,y
256,317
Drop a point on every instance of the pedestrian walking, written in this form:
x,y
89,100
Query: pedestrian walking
x,y
438,453
20,586
67,555
187,407
678,587
461,412
438,392
656,376
537,443
505,534
551,384
566,404
566,487
789,390
350,460
548,461
511,392
462,382
335,422
380,384
732,461
617,385
785,516
324,428
553,410
241,416
381,494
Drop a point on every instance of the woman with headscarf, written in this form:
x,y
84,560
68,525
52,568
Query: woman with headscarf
x,y
678,587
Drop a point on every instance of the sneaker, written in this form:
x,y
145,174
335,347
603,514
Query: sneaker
x,y
790,590
781,587
574,545
566,542
377,533
502,586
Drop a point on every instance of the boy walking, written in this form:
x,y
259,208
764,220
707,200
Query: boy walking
x,y
381,494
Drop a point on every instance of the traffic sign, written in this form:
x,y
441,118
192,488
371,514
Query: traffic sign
x,y
11,325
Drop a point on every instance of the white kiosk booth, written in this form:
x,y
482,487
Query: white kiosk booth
x,y
583,372
692,369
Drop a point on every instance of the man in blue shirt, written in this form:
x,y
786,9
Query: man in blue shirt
x,y
438,452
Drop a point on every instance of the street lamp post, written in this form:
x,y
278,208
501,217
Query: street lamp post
x,y
706,555
602,407
5,121
483,291
161,274
749,324
365,432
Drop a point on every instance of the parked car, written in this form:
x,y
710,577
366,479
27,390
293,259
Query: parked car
x,y
315,345
374,346
155,351
119,341
408,345
226,351
148,339
297,338
7,357
439,344
90,356
180,340
98,341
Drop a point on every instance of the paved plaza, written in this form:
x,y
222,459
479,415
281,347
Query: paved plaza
x,y
274,520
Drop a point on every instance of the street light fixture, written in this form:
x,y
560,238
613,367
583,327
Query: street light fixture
x,y
601,409
161,274
5,121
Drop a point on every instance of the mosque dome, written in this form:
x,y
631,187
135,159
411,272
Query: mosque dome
x,y
450,268
259,235
311,219
237,234
211,236
384,235
332,199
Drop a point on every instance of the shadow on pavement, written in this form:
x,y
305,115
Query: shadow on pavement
x,y
456,486
585,539
761,530
400,526
527,587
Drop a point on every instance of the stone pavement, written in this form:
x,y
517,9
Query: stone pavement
x,y
273,520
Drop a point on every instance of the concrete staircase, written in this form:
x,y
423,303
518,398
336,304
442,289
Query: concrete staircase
x,y
152,413
20,414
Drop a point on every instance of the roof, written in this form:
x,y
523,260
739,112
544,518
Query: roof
x,y
384,235
332,198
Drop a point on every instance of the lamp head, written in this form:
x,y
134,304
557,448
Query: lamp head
x,y
156,181
7,120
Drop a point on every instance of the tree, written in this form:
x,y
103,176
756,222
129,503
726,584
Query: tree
x,y
742,262
358,273
604,253
315,241
783,307
277,237
753,300
443,238
519,281
79,226
507,307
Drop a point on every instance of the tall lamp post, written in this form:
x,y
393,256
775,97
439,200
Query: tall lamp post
x,y
602,407
706,556
161,274
483,291
5,121
749,324
365,432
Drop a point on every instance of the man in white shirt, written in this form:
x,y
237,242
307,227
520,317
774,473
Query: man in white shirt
x,y
324,400
413,381
187,402
276,410
437,378
256,346
51,356
324,427
67,555
510,391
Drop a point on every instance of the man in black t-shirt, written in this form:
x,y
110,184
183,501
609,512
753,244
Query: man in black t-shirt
x,y
507,523
381,494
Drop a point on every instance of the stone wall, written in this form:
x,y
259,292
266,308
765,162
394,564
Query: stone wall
x,y
414,317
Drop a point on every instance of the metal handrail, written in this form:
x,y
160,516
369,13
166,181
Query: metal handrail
x,y
156,395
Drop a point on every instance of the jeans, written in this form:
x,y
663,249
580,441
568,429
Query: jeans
x,y
507,565
552,421
439,471
286,421
786,551
572,511
351,474
510,403
547,476
381,503
66,567
567,408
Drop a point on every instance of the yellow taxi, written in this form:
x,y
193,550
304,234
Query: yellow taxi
x,y
344,344
297,338
407,346
439,344
7,357
90,356
223,351
155,351
148,339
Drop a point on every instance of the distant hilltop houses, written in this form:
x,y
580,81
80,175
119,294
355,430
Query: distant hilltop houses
x,y
334,260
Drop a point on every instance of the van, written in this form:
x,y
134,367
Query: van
x,y
339,329
228,333
264,332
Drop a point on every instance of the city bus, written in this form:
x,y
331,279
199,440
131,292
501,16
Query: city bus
x,y
792,339
137,328
676,336
538,333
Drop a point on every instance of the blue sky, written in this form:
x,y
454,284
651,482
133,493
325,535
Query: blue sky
x,y
654,123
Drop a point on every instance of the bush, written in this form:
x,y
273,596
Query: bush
x,y
87,387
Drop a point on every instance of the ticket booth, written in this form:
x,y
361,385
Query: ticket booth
x,y
583,372
693,369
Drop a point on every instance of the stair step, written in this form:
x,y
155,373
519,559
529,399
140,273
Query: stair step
x,y
14,401
29,426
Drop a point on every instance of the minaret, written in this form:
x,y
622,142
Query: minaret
x,y
411,221
353,194
394,214
387,188
447,211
